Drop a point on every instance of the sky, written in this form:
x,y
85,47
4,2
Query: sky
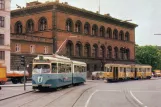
x,y
145,13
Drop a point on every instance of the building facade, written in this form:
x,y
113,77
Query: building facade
x,y
86,36
5,33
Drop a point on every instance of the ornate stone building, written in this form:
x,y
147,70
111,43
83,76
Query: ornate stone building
x,y
41,28
5,33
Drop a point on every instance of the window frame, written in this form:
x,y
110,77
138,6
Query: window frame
x,y
18,48
32,50
2,21
2,55
2,39
2,4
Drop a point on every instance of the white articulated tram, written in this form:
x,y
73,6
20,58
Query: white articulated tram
x,y
52,71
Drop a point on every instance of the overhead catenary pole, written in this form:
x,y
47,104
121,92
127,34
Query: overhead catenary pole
x,y
99,7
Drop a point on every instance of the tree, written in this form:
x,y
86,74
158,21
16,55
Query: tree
x,y
150,55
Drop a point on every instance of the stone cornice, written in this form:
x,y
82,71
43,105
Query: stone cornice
x,y
70,10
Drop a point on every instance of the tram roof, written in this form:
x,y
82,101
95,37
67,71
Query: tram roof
x,y
53,57
116,64
143,65
78,62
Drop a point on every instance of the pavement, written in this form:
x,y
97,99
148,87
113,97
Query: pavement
x,y
9,91
142,93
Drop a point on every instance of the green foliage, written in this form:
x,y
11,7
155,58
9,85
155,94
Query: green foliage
x,y
148,55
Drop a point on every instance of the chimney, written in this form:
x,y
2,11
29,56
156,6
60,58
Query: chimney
x,y
107,14
66,3
57,1
34,3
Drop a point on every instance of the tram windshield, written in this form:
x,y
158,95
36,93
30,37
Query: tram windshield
x,y
41,68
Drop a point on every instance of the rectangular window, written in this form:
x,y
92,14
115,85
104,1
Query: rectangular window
x,y
2,55
2,4
54,68
1,21
45,49
1,39
18,48
64,68
32,48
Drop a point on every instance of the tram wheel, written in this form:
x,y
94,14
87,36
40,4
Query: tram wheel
x,y
2,82
14,81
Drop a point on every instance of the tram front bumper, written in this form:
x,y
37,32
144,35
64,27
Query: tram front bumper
x,y
40,85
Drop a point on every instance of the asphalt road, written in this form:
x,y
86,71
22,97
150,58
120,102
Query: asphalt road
x,y
139,93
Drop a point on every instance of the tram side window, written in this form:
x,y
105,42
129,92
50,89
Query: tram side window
x,y
109,69
132,69
54,68
83,69
148,69
79,68
144,69
121,69
128,69
61,68
68,68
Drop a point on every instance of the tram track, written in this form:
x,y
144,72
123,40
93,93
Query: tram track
x,y
31,98
79,96
130,99
59,90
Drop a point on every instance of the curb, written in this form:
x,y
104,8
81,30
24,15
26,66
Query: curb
x,y
20,85
15,95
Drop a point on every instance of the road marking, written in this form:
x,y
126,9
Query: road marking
x,y
111,90
147,91
137,99
86,105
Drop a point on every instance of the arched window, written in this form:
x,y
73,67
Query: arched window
x,y
87,48
122,51
69,48
116,53
79,49
115,34
87,28
109,33
102,31
30,25
109,53
127,36
102,51
2,4
95,67
95,30
95,51
18,27
78,27
69,25
121,35
42,24
127,54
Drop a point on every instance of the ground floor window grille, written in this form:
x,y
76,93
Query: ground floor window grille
x,y
2,55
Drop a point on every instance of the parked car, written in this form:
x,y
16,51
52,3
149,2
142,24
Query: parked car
x,y
96,75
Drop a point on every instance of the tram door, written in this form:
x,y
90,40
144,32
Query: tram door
x,y
124,72
115,73
135,72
